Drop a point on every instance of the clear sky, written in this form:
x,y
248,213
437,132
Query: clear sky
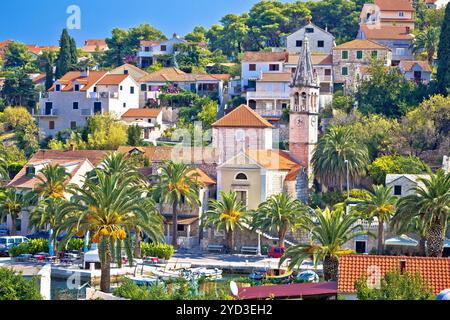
x,y
41,21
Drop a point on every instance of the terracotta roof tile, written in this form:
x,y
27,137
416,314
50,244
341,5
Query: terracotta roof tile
x,y
243,116
360,44
263,56
394,5
271,159
112,79
142,112
317,59
87,82
94,156
435,271
276,77
386,33
149,42
165,153
407,65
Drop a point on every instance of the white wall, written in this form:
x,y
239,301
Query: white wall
x,y
260,68
314,37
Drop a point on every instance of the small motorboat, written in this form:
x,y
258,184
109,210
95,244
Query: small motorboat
x,y
275,275
308,276
142,280
206,273
258,274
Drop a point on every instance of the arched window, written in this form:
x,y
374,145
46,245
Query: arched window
x,y
241,176
296,100
304,100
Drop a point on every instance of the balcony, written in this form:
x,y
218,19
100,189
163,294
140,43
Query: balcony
x,y
269,113
103,95
87,112
45,113
268,95
325,78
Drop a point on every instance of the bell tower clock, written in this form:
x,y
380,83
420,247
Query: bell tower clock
x,y
304,107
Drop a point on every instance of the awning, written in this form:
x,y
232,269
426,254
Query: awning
x,y
402,240
181,220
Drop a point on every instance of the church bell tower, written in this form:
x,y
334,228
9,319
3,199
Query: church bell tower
x,y
304,108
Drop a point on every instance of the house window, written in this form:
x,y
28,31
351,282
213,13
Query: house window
x,y
320,44
163,48
121,88
344,54
400,51
328,72
241,196
284,106
309,30
240,135
76,87
397,190
143,87
359,54
75,106
252,67
132,90
360,246
58,87
299,43
375,54
401,14
124,104
241,176
274,67
147,49
125,71
95,89
73,125
344,71
180,227
51,125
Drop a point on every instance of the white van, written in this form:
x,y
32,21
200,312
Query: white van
x,y
8,242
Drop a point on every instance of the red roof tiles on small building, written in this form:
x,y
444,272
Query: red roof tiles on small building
x,y
243,116
263,56
142,113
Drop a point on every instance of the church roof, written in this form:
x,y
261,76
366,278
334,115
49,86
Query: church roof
x,y
243,116
304,74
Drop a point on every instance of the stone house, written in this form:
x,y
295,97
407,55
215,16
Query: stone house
x,y
403,184
416,71
320,40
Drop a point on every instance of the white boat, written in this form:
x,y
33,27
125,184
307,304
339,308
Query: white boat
x,y
308,276
187,274
207,273
142,280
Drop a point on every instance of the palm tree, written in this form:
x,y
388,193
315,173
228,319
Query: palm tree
x,y
280,213
110,206
329,231
381,205
428,41
336,146
431,202
227,214
4,174
416,225
50,212
176,185
12,203
53,182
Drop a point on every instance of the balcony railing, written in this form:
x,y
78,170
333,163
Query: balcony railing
x,y
42,112
272,95
103,95
269,113
86,112
325,78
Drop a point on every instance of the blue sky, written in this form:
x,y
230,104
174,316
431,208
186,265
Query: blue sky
x,y
41,21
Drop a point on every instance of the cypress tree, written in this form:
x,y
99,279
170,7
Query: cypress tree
x,y
64,60
443,72
48,76
73,52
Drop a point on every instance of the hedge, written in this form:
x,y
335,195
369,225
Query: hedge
x,y
31,247
159,250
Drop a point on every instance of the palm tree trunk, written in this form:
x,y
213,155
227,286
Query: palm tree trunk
x,y
380,247
281,237
175,224
13,227
330,268
229,234
137,244
435,239
422,246
105,277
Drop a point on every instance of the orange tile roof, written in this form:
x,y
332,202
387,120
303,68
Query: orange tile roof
x,y
221,76
87,82
142,112
94,156
316,58
112,79
166,153
242,116
202,177
271,159
21,180
40,77
149,42
260,56
276,77
386,33
360,44
407,65
435,271
92,45
162,75
394,5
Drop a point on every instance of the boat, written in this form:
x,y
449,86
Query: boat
x,y
206,273
308,276
275,275
142,280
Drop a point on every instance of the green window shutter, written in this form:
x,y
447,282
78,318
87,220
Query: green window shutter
x,y
344,71
375,54
359,54
344,54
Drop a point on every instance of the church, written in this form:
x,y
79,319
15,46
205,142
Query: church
x,y
250,161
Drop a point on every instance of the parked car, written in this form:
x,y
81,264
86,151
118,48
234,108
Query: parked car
x,y
7,243
276,252
3,231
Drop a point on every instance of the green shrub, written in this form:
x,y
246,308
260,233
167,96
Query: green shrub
x,y
31,247
159,250
14,287
75,244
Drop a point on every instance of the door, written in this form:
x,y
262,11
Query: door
x,y
97,107
360,247
48,108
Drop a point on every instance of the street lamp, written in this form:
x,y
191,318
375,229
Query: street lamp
x,y
348,184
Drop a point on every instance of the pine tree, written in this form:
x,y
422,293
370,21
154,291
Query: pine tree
x,y
443,72
64,61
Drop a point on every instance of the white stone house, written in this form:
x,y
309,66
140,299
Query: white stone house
x,y
320,40
149,119
403,184
416,71
79,95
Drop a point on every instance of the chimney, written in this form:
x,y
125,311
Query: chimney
x,y
402,266
72,147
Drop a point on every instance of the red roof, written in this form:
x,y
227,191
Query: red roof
x,y
243,116
394,5
434,271
288,290
112,79
142,113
